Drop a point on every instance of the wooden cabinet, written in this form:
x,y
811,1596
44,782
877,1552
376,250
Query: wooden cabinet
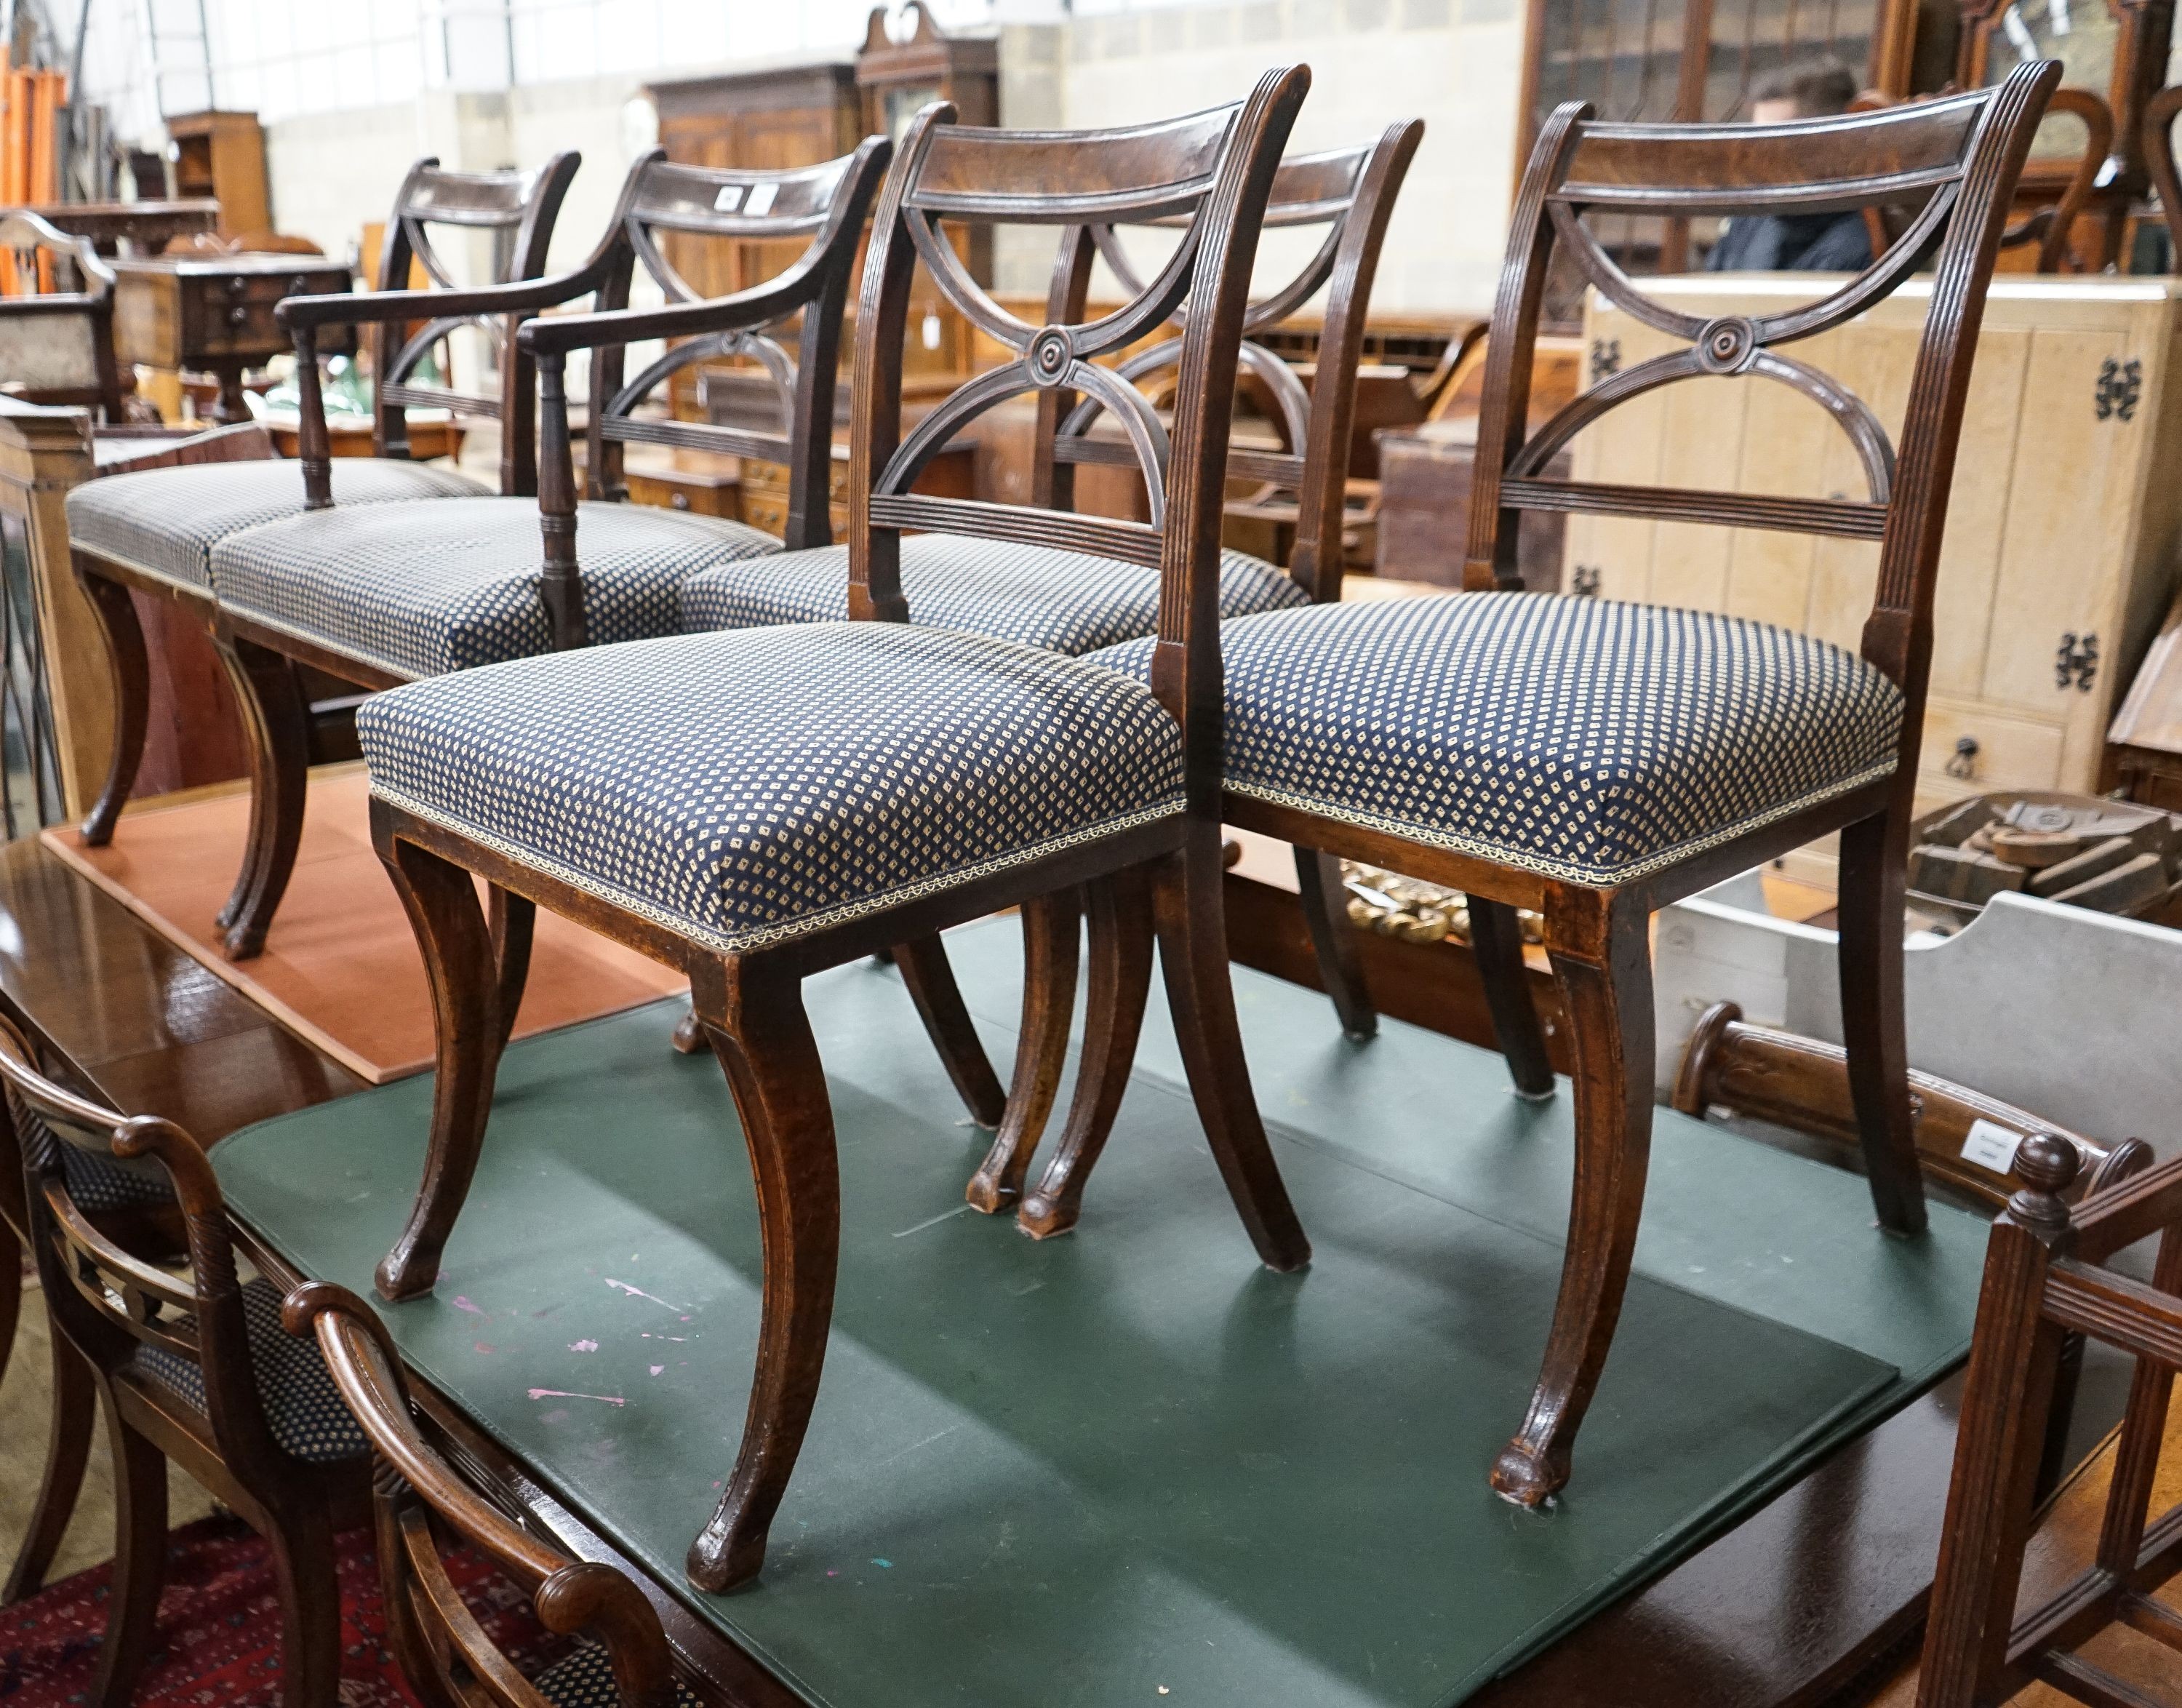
x,y
222,155
2063,530
786,116
797,115
907,62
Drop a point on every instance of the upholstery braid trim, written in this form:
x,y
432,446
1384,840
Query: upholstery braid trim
x,y
1497,854
788,931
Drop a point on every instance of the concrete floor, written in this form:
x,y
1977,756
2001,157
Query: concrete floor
x,y
26,1400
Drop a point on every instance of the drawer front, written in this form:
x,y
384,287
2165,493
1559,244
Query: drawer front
x,y
2004,751
702,498
765,511
233,316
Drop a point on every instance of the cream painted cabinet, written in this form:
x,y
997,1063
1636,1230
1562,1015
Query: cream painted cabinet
x,y
2064,530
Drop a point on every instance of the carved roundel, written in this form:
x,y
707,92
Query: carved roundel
x,y
1726,344
1050,356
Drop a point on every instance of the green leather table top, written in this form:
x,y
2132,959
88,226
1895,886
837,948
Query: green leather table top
x,y
1073,1472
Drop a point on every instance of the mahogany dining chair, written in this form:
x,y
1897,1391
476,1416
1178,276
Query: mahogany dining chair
x,y
755,805
191,1365
1595,761
420,1507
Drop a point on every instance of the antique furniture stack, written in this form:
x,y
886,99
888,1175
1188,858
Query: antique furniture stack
x,y
380,594
861,784
757,760
791,867
152,533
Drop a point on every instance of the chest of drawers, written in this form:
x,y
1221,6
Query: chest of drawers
x,y
215,312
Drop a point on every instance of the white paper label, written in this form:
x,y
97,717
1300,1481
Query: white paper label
x,y
729,198
761,198
1990,1145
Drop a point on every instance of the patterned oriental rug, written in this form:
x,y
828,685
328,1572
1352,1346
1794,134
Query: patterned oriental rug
x,y
219,1628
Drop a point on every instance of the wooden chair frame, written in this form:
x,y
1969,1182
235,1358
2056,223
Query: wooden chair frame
x,y
107,1301
2045,1283
1802,1085
416,1494
1351,192
526,206
750,1003
31,241
153,1234
275,716
1962,155
2158,141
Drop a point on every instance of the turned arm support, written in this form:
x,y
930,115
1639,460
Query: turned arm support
x,y
303,317
549,342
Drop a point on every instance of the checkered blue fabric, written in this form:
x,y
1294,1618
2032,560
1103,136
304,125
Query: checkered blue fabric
x,y
420,590
751,786
1585,740
164,522
304,1409
1066,601
96,1179
585,1679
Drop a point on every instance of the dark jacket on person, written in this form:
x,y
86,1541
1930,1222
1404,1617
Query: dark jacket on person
x,y
1793,243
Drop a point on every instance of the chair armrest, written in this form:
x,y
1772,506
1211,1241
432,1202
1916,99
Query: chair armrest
x,y
365,307
745,310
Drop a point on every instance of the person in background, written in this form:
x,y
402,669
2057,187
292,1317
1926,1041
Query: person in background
x,y
1796,242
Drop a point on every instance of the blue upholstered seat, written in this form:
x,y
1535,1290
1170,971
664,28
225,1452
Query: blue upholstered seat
x,y
165,522
1067,602
96,1179
1585,740
302,1407
583,1678
421,590
753,785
